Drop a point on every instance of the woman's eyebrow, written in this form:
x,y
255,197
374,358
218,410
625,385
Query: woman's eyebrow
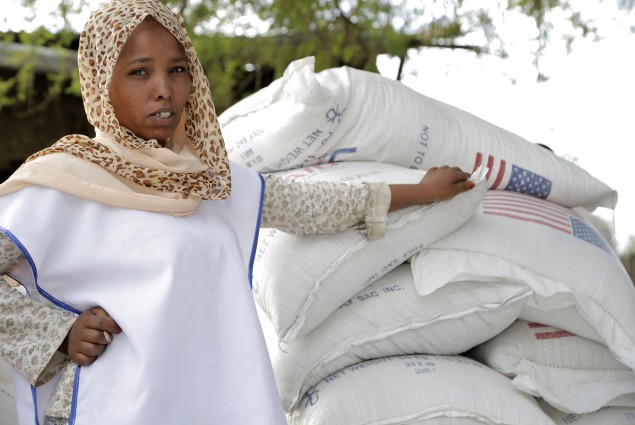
x,y
139,60
144,59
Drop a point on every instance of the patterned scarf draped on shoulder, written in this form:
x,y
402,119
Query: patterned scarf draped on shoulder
x,y
196,168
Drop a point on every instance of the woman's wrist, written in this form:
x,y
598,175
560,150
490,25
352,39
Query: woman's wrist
x,y
408,195
63,348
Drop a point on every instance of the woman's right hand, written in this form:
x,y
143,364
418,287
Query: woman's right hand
x,y
438,184
89,336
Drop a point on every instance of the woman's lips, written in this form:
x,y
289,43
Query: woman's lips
x,y
162,117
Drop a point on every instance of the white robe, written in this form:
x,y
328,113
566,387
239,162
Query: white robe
x,y
192,349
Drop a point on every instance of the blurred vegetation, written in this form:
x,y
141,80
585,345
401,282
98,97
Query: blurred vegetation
x,y
244,45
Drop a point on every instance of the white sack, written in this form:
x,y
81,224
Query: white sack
x,y
573,374
388,318
346,114
605,416
417,389
286,124
299,281
578,280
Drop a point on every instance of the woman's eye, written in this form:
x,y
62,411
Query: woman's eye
x,y
138,72
178,69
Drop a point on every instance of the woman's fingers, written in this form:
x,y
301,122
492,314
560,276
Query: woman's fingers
x,y
445,182
102,321
90,335
95,336
91,349
82,359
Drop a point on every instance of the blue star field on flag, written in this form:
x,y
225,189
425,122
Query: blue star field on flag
x,y
525,181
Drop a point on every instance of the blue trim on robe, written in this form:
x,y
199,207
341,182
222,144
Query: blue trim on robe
x,y
73,416
34,396
29,259
254,245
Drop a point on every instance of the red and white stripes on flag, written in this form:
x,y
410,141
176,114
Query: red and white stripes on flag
x,y
522,207
527,208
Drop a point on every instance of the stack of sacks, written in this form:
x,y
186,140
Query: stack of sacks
x,y
579,283
388,318
9,414
300,281
580,286
345,313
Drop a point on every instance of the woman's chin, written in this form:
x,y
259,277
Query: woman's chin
x,y
163,138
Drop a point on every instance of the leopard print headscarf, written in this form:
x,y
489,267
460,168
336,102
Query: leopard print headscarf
x,y
101,42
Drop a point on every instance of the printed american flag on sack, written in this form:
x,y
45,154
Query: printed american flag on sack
x,y
518,206
517,179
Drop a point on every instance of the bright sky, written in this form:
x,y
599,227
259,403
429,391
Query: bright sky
x,y
584,111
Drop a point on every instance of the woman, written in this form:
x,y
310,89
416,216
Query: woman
x,y
139,240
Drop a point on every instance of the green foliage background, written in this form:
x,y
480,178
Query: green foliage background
x,y
244,45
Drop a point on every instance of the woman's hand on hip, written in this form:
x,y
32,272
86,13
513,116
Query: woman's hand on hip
x,y
89,336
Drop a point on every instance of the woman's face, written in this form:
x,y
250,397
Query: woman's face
x,y
150,83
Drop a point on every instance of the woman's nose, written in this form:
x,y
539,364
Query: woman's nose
x,y
162,87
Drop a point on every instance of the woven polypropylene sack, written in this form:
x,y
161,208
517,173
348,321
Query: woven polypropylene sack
x,y
346,114
417,389
573,374
604,416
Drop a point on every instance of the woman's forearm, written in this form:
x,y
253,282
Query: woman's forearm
x,y
30,331
438,184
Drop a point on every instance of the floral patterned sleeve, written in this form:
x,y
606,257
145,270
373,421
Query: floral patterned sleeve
x,y
10,255
30,331
303,208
